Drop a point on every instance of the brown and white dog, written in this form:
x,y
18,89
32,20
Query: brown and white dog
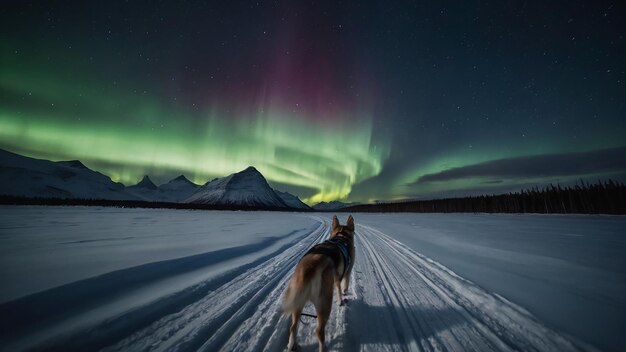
x,y
326,263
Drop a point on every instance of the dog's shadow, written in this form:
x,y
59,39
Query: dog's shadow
x,y
388,326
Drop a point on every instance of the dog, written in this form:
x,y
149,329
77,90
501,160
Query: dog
x,y
325,264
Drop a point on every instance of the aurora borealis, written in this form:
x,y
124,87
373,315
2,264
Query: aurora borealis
x,y
348,101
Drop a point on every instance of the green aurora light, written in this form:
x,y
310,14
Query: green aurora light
x,y
126,141
326,107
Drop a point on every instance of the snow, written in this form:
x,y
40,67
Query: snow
x,y
247,187
568,270
67,244
90,278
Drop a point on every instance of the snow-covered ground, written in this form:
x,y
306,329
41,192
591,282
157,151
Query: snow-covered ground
x,y
568,270
80,278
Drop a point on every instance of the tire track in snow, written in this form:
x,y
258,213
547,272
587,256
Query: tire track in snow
x,y
141,318
398,300
219,320
433,309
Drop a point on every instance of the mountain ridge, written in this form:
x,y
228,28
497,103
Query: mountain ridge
x,y
292,200
26,177
332,205
23,176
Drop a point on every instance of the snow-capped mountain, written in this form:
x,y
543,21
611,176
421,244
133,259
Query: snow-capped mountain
x,y
22,176
28,177
177,183
291,200
245,188
178,189
174,191
334,205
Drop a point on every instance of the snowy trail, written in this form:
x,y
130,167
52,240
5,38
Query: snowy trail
x,y
399,300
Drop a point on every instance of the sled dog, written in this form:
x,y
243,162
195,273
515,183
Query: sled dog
x,y
324,266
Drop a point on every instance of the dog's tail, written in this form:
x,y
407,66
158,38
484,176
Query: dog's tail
x,y
302,288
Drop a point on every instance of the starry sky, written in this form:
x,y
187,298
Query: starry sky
x,y
330,100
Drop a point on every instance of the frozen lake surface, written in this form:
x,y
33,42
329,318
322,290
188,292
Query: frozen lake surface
x,y
89,278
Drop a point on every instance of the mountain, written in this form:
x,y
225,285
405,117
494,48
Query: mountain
x,y
334,205
145,184
22,176
244,188
291,200
144,190
174,191
177,189
28,177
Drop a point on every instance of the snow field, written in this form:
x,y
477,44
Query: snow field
x,y
229,297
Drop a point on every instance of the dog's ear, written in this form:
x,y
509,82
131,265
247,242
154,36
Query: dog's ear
x,y
350,224
335,222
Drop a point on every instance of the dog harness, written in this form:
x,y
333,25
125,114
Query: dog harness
x,y
329,249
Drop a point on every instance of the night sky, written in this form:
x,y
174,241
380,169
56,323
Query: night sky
x,y
329,100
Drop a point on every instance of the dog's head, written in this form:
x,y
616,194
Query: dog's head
x,y
346,230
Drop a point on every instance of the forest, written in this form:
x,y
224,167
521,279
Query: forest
x,y
607,197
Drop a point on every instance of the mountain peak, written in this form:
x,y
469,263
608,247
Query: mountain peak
x,y
145,183
245,188
250,169
250,174
74,163
180,178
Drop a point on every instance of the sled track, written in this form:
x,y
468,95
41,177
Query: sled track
x,y
398,300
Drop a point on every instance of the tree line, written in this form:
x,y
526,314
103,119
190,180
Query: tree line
x,y
607,197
